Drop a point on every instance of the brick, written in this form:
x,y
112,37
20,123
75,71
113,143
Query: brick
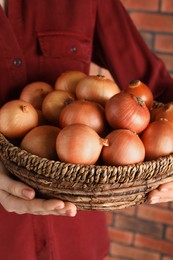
x,y
118,250
148,38
162,205
167,258
168,60
153,22
167,6
131,211
169,233
164,43
121,236
146,5
139,225
115,258
149,243
108,258
109,218
171,205
152,213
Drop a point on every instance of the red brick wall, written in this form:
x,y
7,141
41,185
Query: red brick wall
x,y
154,20
145,232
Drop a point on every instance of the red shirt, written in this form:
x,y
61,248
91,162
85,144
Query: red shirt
x,y
38,41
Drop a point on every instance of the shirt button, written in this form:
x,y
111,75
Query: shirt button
x,y
73,49
17,62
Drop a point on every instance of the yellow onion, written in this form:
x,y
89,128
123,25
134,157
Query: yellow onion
x,y
96,88
17,117
41,141
125,148
79,144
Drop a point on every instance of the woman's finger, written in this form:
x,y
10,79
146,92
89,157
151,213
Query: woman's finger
x,y
164,193
36,206
14,187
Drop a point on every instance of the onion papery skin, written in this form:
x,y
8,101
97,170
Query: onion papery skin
x,y
53,104
157,139
139,89
154,111
165,112
125,148
84,112
79,144
17,117
68,81
41,141
35,92
126,111
96,88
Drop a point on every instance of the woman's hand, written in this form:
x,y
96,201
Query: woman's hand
x,y
164,193
18,197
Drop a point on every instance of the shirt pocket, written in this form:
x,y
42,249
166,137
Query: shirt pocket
x,y
62,51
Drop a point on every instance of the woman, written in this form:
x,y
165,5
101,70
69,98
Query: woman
x,y
38,41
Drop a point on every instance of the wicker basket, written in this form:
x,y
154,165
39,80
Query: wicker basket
x,y
89,187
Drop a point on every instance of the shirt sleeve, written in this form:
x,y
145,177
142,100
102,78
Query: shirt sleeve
x,y
119,47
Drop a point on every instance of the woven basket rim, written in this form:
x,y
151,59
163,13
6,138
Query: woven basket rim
x,y
19,150
144,164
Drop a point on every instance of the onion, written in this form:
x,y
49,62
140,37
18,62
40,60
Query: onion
x,y
68,80
125,148
139,89
17,117
41,141
53,103
158,139
84,112
154,110
96,88
35,93
165,112
79,144
124,110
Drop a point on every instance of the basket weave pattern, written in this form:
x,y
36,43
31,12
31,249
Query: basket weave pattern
x,y
89,187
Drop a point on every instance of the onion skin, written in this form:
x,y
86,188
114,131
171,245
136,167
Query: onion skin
x,y
17,117
125,148
35,92
126,111
157,139
68,80
41,141
84,112
154,111
79,144
96,88
165,112
53,104
139,89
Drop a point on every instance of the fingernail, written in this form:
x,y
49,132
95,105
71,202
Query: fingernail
x,y
154,200
28,194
